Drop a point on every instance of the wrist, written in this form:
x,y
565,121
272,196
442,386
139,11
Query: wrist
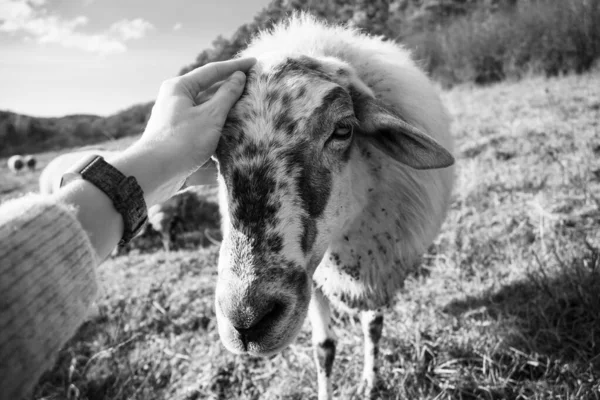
x,y
156,170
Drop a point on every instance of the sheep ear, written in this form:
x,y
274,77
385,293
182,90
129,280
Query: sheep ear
x,y
397,138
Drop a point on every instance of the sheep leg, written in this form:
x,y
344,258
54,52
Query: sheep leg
x,y
323,342
166,241
372,325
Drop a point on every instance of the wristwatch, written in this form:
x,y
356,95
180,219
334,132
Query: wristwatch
x,y
125,193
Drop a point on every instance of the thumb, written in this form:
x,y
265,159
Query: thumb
x,y
229,92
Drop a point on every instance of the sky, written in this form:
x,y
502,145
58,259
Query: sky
x,y
60,57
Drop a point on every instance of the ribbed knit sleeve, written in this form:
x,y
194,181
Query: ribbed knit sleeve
x,y
47,283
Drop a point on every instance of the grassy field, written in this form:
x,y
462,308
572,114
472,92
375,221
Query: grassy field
x,y
505,306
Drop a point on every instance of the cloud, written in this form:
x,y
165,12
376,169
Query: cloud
x,y
177,26
134,29
28,17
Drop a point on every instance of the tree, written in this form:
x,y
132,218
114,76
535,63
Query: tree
x,y
372,16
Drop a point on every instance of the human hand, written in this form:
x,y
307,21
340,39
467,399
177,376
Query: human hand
x,y
184,127
190,111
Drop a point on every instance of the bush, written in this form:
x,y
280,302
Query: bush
x,y
550,37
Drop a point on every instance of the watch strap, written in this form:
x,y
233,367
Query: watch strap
x,y
125,193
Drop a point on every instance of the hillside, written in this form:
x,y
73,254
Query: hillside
x,y
26,181
505,305
26,134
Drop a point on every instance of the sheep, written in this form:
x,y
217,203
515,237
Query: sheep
x,y
16,163
335,173
30,161
193,209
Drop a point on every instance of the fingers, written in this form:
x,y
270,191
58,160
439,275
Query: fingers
x,y
207,94
203,77
229,92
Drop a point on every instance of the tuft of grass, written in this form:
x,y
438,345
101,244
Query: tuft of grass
x,y
504,306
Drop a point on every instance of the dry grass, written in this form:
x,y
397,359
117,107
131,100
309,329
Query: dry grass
x,y
506,305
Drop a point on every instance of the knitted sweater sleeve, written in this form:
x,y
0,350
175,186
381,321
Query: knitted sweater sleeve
x,y
47,282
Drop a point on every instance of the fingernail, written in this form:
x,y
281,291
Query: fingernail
x,y
238,76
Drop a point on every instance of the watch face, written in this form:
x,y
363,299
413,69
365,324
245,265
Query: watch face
x,y
74,172
69,177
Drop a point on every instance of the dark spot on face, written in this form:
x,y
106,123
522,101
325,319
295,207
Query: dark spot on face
x,y
231,139
353,270
366,153
232,122
310,63
253,188
302,65
275,243
309,234
251,150
325,355
342,72
335,257
314,187
291,128
301,92
272,97
283,122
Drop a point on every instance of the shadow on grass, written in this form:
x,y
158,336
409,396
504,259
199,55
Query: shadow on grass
x,y
550,324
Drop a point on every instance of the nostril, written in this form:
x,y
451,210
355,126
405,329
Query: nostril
x,y
275,311
256,320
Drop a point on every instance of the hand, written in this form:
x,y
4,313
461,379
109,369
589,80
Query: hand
x,y
184,128
190,110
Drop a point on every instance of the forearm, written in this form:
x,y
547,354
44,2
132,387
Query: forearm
x,y
96,213
157,174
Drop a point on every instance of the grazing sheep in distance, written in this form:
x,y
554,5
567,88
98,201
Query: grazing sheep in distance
x,y
335,175
193,209
30,161
16,163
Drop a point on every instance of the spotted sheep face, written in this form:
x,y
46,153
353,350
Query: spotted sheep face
x,y
288,160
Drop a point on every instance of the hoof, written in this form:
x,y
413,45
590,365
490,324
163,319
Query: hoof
x,y
368,390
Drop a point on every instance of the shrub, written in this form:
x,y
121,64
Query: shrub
x,y
550,37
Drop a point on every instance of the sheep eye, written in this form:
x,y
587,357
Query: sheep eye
x,y
342,132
